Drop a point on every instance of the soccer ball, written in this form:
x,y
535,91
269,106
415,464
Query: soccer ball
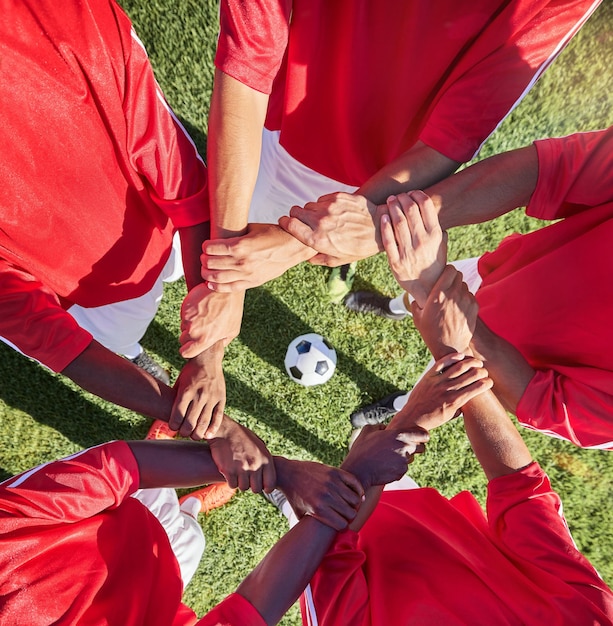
x,y
310,360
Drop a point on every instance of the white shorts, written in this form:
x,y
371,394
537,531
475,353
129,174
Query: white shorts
x,y
183,530
283,182
120,326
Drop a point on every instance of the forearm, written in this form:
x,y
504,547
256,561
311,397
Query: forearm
x,y
494,438
371,499
487,189
117,380
234,145
276,583
192,239
507,367
177,464
417,168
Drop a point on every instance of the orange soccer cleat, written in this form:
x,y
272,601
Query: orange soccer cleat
x,y
211,497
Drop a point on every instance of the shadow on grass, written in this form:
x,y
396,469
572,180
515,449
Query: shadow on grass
x,y
30,388
268,327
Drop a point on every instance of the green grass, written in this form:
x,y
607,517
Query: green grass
x,y
43,416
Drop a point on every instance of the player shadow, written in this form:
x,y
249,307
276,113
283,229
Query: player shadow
x,y
267,318
29,387
269,325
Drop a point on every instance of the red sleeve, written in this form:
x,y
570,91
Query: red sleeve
x,y
159,147
252,40
74,488
32,319
233,611
564,407
338,593
499,68
575,173
525,516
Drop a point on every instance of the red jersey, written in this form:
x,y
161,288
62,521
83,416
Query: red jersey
x,y
95,170
354,83
76,549
423,559
547,293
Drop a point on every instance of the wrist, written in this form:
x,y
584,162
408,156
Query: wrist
x,y
355,469
224,430
282,469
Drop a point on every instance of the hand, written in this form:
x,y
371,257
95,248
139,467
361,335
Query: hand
x,y
242,458
415,244
340,226
208,317
442,392
381,455
447,321
240,263
197,411
327,493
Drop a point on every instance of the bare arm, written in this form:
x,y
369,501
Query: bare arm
x,y
192,239
275,584
494,438
345,227
506,365
177,464
235,129
487,189
117,380
417,168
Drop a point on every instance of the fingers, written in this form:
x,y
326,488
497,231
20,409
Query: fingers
x,y
189,347
269,477
389,240
216,421
413,437
447,361
219,247
297,228
234,286
427,210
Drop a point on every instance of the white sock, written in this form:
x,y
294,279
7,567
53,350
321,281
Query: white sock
x,y
397,305
191,506
400,401
133,352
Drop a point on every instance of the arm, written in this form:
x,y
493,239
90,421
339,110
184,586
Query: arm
x,y
345,227
200,388
495,441
177,464
487,189
235,128
479,193
278,580
115,379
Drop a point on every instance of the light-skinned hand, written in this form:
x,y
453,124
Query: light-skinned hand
x,y
415,244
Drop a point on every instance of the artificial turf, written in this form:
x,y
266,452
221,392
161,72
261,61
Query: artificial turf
x,y
44,416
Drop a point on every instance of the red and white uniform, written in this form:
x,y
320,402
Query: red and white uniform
x,y
548,292
95,171
354,83
75,548
423,559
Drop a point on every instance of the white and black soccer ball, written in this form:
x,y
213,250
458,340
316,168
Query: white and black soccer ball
x,y
310,360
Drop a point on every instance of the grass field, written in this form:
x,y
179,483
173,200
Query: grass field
x,y
44,416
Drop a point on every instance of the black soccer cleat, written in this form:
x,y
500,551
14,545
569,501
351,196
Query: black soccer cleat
x,y
376,413
370,302
145,362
